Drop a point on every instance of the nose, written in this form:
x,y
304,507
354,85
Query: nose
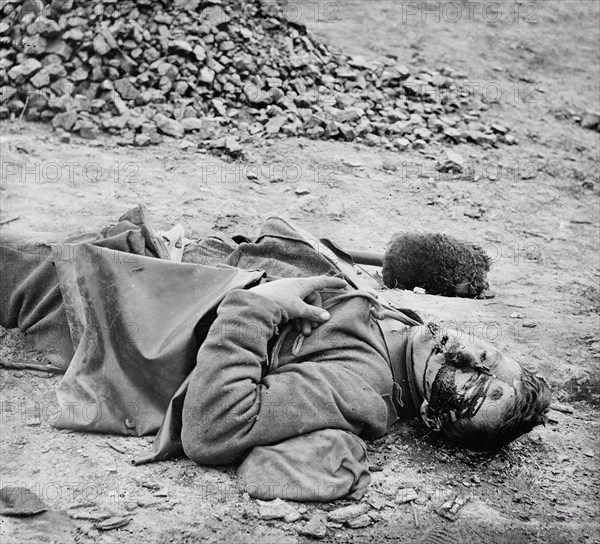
x,y
461,356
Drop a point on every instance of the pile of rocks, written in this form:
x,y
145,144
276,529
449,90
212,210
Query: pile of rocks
x,y
219,72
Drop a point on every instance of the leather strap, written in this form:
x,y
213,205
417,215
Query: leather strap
x,y
396,335
417,398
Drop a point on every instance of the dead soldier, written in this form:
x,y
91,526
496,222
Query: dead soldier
x,y
263,353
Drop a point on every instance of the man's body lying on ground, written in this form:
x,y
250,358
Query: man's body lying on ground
x,y
293,372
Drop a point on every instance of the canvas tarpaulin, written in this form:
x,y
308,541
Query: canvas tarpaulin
x,y
136,323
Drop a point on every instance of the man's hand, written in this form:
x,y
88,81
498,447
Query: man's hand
x,y
300,298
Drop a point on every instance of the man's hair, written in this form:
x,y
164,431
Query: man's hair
x,y
532,401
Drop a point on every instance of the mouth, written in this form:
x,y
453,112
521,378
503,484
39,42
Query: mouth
x,y
447,403
454,383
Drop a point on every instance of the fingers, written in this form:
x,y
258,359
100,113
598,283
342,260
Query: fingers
x,y
312,314
311,310
314,299
306,327
297,324
299,297
309,285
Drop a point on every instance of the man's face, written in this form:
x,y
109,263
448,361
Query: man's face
x,y
461,377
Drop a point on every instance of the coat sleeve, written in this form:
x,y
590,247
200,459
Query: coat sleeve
x,y
322,466
230,407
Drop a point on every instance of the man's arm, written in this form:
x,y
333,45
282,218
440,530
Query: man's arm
x,y
230,407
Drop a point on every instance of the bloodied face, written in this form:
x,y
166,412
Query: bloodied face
x,y
462,379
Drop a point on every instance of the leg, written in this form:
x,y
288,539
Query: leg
x,y
30,296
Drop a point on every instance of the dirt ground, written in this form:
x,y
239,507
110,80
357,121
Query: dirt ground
x,y
533,206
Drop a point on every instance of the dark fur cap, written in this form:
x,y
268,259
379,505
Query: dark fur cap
x,y
440,264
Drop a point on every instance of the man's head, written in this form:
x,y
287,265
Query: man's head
x,y
472,393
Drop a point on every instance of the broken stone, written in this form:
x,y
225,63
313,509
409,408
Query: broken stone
x,y
64,137
34,45
220,107
499,129
126,89
41,79
100,46
192,123
88,130
74,34
453,133
199,53
65,120
167,126
80,74
315,528
113,523
346,513
232,146
302,190
350,115
359,522
20,501
45,27
352,163
277,509
60,48
590,120
292,517
451,162
168,70
331,129
376,501
180,46
207,75
116,123
450,509
372,139
214,16
274,125
26,68
481,137
186,144
401,143
423,133
91,515
109,38
406,494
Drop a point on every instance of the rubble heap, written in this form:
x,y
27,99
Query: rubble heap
x,y
239,68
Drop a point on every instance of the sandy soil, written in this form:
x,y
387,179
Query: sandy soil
x,y
533,206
